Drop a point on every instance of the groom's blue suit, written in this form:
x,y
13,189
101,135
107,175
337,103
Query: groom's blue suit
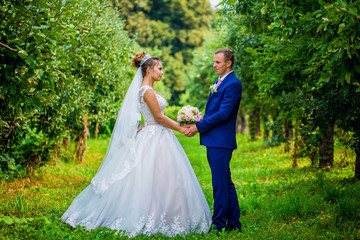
x,y
218,133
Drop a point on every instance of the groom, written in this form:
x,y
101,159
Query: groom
x,y
217,133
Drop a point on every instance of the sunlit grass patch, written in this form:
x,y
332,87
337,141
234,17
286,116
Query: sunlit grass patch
x,y
276,200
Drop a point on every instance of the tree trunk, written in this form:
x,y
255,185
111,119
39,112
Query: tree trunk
x,y
295,155
81,141
6,134
66,141
275,131
56,151
312,156
357,162
288,134
258,122
264,116
241,125
288,129
97,129
238,123
266,133
326,149
254,123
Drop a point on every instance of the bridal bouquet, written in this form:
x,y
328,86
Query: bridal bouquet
x,y
189,115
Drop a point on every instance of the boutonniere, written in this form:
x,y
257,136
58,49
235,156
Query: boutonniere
x,y
213,88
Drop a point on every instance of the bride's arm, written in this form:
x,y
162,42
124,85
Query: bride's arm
x,y
153,104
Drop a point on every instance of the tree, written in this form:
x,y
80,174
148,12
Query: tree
x,y
176,27
306,49
62,65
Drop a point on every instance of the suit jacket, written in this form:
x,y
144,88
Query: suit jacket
x,y
218,128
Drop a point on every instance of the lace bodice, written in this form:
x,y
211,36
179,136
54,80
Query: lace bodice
x,y
144,108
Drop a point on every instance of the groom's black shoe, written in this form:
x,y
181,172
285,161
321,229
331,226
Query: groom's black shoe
x,y
214,230
233,228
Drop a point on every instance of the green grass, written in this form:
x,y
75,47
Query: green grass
x,y
276,201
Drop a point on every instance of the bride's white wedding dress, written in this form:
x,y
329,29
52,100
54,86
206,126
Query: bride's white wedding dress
x,y
160,194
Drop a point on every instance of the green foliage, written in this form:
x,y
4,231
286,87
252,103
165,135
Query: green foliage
x,y
62,66
175,27
278,135
171,112
298,59
200,73
161,23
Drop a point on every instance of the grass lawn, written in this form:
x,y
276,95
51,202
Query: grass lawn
x,y
276,201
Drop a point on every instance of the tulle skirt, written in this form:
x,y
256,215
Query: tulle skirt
x,y
161,194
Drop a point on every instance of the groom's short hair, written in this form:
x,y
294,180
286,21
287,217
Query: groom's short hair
x,y
228,53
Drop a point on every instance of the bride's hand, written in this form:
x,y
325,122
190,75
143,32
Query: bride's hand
x,y
183,129
191,131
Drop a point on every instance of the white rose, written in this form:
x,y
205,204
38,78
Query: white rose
x,y
188,112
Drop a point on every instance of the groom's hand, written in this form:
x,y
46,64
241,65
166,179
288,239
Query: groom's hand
x,y
192,130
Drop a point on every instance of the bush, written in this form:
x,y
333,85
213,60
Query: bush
x,y
171,112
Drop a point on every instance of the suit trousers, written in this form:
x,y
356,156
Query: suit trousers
x,y
226,206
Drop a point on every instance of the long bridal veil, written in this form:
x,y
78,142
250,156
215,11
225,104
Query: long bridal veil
x,y
120,157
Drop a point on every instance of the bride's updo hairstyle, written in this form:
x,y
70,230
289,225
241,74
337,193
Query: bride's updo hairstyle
x,y
150,63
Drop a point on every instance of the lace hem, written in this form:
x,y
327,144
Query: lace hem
x,y
149,225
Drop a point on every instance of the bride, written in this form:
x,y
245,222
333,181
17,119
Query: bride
x,y
145,183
